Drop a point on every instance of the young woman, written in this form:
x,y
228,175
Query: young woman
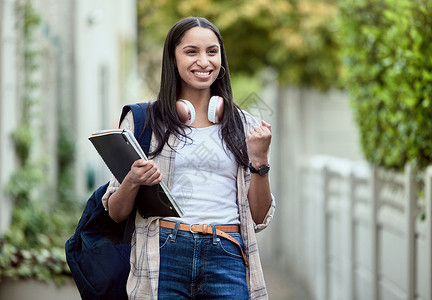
x,y
214,158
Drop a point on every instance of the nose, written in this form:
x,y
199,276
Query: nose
x,y
203,61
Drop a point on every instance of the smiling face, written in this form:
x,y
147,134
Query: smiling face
x,y
198,59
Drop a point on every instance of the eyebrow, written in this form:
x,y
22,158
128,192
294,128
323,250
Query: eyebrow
x,y
196,47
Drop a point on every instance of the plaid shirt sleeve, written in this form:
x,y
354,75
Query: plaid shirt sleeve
x,y
249,123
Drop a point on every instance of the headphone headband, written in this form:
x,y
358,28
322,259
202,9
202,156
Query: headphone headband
x,y
186,111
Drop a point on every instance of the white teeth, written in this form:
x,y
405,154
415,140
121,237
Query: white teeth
x,y
202,73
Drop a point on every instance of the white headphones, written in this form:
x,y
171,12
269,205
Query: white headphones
x,y
186,111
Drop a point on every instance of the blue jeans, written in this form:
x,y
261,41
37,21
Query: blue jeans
x,y
198,266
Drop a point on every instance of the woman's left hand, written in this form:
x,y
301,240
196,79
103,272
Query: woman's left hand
x,y
259,195
258,143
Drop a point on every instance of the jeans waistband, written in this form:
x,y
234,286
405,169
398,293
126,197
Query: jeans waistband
x,y
220,230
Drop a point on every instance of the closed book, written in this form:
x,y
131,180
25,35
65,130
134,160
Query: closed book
x,y
119,150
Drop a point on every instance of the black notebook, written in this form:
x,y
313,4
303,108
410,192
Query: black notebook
x,y
119,149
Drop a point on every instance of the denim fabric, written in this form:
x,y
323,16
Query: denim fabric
x,y
198,266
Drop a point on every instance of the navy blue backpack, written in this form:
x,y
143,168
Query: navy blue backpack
x,y
99,250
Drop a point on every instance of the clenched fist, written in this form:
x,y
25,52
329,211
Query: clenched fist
x,y
258,144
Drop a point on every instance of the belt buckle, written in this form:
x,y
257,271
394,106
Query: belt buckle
x,y
190,229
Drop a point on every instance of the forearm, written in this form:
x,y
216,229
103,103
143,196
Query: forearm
x,y
259,195
121,202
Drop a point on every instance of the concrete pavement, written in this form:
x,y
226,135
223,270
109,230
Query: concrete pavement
x,y
280,284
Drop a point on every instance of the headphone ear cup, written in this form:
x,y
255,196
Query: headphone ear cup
x,y
185,111
215,109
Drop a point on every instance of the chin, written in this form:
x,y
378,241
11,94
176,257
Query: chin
x,y
203,86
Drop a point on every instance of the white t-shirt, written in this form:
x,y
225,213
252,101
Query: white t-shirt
x,y
205,179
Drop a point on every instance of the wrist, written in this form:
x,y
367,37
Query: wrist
x,y
258,162
130,184
262,170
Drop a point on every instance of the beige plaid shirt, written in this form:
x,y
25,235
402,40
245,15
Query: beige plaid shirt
x,y
144,274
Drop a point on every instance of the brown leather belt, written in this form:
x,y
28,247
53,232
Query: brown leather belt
x,y
221,230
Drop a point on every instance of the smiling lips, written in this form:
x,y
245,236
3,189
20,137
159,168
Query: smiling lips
x,y
202,74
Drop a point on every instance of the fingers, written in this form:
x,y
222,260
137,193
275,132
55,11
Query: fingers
x,y
140,163
146,172
156,180
263,130
258,141
267,125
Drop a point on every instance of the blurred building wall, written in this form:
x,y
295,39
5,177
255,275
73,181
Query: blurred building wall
x,y
105,63
8,103
305,123
86,73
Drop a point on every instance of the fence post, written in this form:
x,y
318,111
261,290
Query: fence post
x,y
322,288
349,263
374,232
410,208
428,212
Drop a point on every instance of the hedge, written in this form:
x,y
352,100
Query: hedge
x,y
387,66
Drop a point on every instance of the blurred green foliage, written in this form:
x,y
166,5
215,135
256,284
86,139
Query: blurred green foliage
x,y
30,172
295,38
387,59
44,264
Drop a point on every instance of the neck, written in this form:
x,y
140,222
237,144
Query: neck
x,y
198,98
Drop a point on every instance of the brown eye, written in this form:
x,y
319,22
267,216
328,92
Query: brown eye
x,y
213,51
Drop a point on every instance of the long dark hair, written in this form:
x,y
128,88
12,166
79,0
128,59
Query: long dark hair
x,y
163,115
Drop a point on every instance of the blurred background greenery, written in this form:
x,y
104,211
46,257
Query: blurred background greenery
x,y
295,39
386,47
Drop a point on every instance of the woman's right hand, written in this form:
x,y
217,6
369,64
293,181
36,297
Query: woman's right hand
x,y
144,172
121,203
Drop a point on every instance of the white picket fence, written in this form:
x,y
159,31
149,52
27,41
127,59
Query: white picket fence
x,y
361,233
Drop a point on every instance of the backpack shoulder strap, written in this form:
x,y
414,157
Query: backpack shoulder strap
x,y
141,124
142,133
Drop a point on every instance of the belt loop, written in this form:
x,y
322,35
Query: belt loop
x,y
214,234
174,232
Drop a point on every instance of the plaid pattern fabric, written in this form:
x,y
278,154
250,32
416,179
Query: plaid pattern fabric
x,y
144,274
